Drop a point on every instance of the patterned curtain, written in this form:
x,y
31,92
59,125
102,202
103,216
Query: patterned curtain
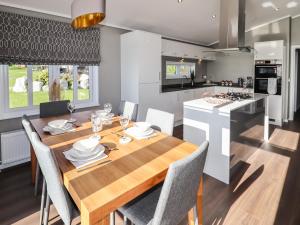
x,y
31,40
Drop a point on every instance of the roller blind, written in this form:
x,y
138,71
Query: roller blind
x,y
31,40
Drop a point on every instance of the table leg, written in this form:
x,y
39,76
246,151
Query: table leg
x,y
200,203
198,209
87,221
33,164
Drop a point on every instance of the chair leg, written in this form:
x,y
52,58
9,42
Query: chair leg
x,y
125,220
47,210
113,218
44,193
37,177
196,219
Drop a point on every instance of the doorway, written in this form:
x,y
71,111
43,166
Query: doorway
x,y
294,100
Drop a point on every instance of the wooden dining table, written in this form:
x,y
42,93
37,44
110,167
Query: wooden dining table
x,y
129,171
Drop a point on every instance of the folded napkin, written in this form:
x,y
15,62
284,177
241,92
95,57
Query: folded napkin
x,y
57,131
133,132
84,163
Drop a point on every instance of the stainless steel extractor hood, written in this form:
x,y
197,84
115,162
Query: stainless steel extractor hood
x,y
232,26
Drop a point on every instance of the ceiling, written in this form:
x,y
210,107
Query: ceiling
x,y
190,20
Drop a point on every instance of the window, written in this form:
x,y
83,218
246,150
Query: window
x,y
24,87
178,70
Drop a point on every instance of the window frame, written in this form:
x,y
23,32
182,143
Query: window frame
x,y
178,65
53,71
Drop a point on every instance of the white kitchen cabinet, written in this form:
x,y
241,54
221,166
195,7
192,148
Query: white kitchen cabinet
x,y
275,109
179,49
269,50
141,57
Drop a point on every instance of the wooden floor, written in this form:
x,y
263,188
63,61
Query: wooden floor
x,y
265,190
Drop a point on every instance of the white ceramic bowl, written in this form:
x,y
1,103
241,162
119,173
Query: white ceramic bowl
x,y
86,145
142,126
58,124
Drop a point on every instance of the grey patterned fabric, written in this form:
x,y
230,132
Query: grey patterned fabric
x,y
169,204
55,187
129,109
31,40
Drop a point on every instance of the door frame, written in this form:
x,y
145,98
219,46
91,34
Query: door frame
x,y
293,83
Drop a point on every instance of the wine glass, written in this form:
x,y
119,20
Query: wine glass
x,y
71,108
96,125
107,108
124,122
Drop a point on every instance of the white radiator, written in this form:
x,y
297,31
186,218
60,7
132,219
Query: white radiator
x,y
15,148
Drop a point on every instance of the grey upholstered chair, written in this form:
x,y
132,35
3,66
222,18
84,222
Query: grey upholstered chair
x,y
28,130
55,188
160,120
170,203
129,109
56,108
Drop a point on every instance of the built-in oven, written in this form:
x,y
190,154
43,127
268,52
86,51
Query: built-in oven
x,y
261,85
267,69
264,70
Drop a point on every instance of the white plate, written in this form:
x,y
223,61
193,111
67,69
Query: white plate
x,y
58,124
142,126
86,145
76,158
136,132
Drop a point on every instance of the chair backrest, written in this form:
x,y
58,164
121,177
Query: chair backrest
x,y
129,109
57,108
160,120
179,192
27,126
55,187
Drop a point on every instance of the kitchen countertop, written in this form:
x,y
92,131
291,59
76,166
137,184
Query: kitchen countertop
x,y
225,107
177,87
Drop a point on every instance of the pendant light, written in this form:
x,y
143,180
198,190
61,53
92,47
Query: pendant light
x,y
87,13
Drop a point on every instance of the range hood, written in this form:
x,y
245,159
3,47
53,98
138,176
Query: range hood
x,y
232,27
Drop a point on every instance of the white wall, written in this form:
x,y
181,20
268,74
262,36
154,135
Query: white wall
x,y
231,67
110,66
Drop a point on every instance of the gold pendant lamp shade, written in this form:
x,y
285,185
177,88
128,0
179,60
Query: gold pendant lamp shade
x,y
87,13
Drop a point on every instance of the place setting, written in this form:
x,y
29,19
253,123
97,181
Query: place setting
x,y
85,152
61,126
141,130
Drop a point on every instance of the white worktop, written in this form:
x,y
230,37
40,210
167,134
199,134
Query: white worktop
x,y
202,104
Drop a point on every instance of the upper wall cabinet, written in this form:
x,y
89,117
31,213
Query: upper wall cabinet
x,y
141,56
269,50
179,49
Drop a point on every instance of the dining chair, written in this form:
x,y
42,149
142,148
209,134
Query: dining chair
x,y
56,191
160,120
170,203
129,109
28,131
56,108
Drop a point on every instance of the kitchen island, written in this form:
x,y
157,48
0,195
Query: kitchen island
x,y
228,125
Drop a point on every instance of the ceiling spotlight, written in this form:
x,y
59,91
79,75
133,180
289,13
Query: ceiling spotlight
x,y
270,4
291,4
179,1
213,16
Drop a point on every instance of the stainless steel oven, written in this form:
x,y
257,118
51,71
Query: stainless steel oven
x,y
261,86
265,69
